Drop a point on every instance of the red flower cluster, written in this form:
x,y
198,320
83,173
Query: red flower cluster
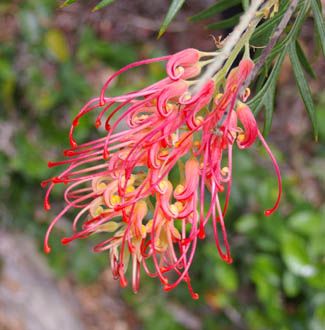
x,y
120,183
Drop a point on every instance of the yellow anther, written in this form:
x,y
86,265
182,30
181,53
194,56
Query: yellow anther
x,y
169,106
241,137
179,70
174,210
162,185
141,117
101,186
149,226
234,87
177,143
115,199
129,189
163,153
197,144
186,96
179,189
218,97
143,231
199,120
179,206
109,227
98,211
225,170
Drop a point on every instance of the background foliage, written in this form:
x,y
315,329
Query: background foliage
x,y
49,68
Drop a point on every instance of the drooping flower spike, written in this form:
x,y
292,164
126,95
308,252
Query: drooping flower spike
x,y
119,183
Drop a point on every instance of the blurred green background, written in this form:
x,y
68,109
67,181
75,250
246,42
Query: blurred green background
x,y
52,61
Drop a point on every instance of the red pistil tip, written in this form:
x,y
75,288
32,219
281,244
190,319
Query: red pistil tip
x,y
47,205
268,212
123,282
47,249
201,233
185,241
56,180
98,123
50,164
228,259
107,126
68,153
164,269
195,296
44,183
168,287
105,154
65,240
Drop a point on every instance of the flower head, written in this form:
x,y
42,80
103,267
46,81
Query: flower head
x,y
119,184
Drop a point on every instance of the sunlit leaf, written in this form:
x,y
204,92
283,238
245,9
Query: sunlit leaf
x,y
246,224
295,256
172,11
67,3
103,4
291,284
306,222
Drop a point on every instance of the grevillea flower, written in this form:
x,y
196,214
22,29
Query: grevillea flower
x,y
119,185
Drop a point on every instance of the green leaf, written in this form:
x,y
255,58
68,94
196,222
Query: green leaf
x,y
306,222
246,224
172,11
303,86
319,22
295,255
265,29
257,102
67,3
214,9
264,272
102,4
269,107
304,61
224,24
263,97
226,276
282,46
291,284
